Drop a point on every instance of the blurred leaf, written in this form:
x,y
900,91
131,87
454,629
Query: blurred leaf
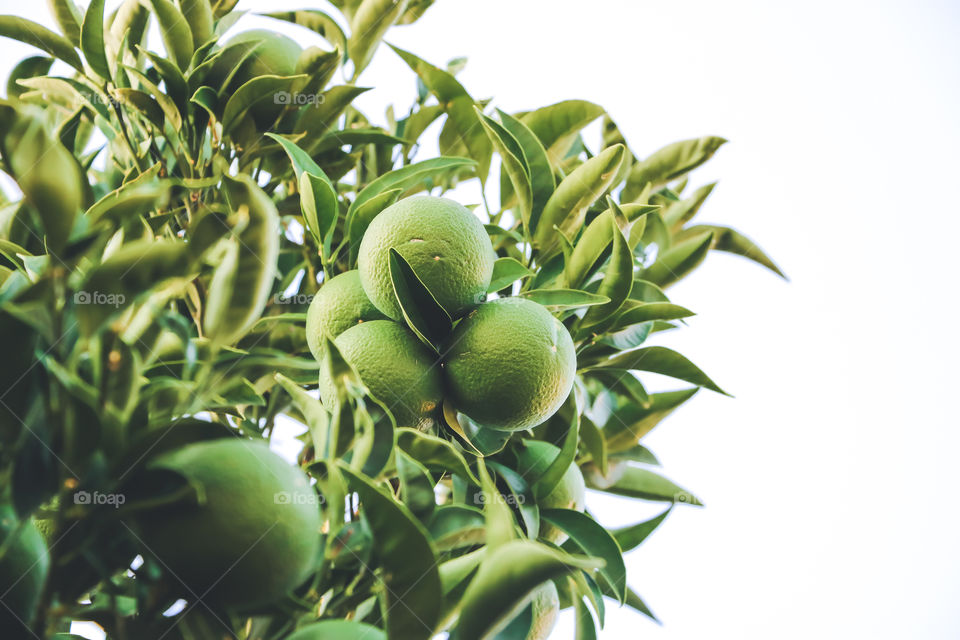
x,y
631,421
423,313
567,207
506,271
635,482
27,68
199,16
91,39
679,260
732,241
535,159
175,32
416,487
456,526
68,18
413,592
633,536
558,125
663,361
318,22
595,541
506,577
434,452
617,280
338,630
564,298
251,93
368,26
38,36
669,163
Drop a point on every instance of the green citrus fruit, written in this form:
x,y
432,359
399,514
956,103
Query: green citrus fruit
x,y
509,364
340,304
337,630
537,620
444,243
569,493
254,534
399,370
274,54
23,571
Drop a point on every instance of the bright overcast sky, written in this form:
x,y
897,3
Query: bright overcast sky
x,y
830,479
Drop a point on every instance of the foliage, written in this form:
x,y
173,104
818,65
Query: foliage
x,y
154,287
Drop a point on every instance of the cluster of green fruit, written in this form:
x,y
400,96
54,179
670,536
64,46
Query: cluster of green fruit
x,y
508,364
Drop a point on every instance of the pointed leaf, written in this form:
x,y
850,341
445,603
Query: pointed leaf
x,y
38,36
175,32
595,541
506,271
633,536
91,39
670,162
635,482
679,260
664,361
631,422
513,163
565,298
542,182
617,280
423,313
413,590
732,241
558,125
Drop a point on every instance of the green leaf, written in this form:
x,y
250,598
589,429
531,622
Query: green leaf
x,y
670,163
252,92
413,591
434,452
423,313
27,68
199,16
416,487
635,482
679,213
91,39
364,215
633,536
318,420
136,198
506,271
367,27
461,134
631,422
635,602
567,207
498,519
513,163
647,311
558,125
320,117
169,107
38,36
506,577
318,22
420,173
242,283
664,361
542,182
565,298
595,541
47,174
617,280
732,241
67,17
679,260
557,467
585,627
175,32
594,442
142,103
455,526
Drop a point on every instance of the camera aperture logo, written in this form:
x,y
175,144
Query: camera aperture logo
x,y
481,498
99,298
96,498
286,497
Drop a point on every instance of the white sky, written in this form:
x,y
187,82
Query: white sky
x,y
830,481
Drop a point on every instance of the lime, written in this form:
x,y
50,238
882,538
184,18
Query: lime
x,y
509,364
444,243
254,533
398,369
340,304
23,572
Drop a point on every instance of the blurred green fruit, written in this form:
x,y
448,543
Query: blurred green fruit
x,y
253,537
24,564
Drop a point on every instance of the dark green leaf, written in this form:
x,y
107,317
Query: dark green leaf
x,y
38,36
595,541
542,182
565,298
664,361
423,313
434,452
413,591
617,280
91,39
633,536
631,422
732,241
636,482
175,32
679,260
